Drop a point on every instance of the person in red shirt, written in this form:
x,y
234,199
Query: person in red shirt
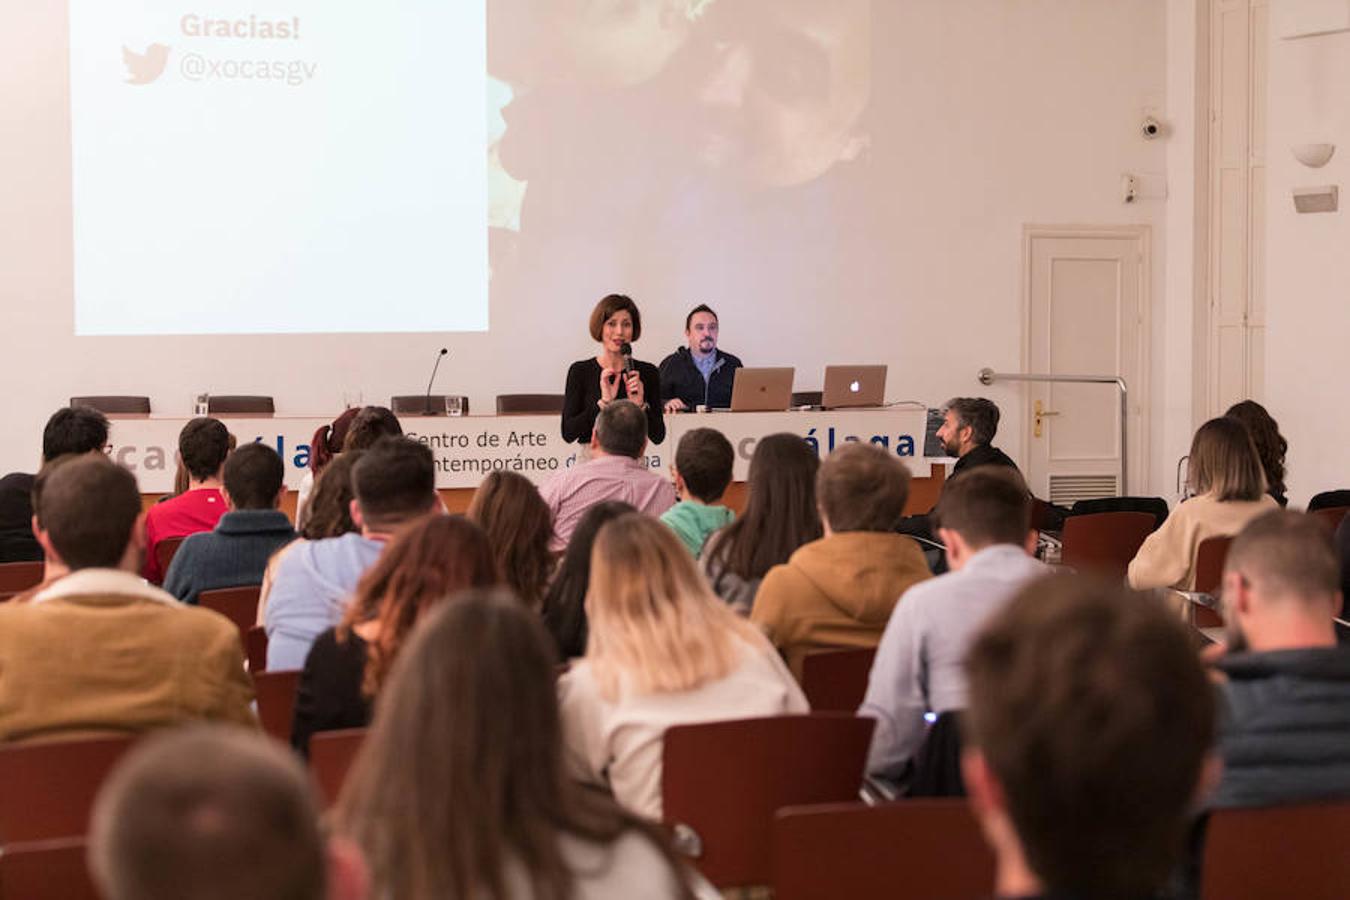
x,y
203,445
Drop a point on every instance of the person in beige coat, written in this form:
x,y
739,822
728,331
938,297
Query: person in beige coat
x,y
100,651
840,590
1225,475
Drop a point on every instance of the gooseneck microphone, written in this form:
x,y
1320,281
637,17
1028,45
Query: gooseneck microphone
x,y
432,380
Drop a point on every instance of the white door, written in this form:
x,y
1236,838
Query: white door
x,y
1086,315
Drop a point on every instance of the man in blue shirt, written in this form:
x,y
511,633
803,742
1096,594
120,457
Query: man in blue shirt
x,y
698,374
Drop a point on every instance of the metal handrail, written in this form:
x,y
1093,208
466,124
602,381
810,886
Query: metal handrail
x,y
989,376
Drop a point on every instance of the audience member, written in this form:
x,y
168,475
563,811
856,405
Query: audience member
x,y
211,812
420,569
1226,477
236,551
460,789
203,445
71,429
703,464
100,650
1269,443
518,524
968,428
780,516
984,519
323,448
52,569
663,651
369,425
565,602
1286,735
1088,742
615,472
394,485
839,591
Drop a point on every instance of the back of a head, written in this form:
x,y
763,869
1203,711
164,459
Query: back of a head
x,y
329,440
208,812
781,512
1270,445
979,413
369,425
518,524
253,477
1223,462
394,481
204,443
464,755
74,429
988,505
621,429
861,487
330,503
89,507
1090,706
1288,557
704,459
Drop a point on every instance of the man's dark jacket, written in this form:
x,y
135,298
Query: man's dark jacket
x,y
681,378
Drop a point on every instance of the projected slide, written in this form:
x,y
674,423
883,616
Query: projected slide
x,y
279,167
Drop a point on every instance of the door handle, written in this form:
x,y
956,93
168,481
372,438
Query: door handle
x,y
1042,413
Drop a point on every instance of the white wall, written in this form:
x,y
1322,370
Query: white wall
x,y
1308,264
990,115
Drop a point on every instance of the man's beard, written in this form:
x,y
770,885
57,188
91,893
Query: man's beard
x,y
951,448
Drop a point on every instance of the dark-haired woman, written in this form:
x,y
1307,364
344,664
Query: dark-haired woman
x,y
518,525
1270,444
565,601
780,515
595,382
324,447
460,789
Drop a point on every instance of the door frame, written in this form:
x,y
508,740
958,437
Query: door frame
x,y
1140,389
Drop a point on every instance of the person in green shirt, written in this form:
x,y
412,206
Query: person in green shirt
x,y
703,463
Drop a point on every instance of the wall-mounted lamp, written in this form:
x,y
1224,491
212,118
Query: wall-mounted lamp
x,y
1314,156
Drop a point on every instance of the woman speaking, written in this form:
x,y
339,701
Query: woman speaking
x,y
612,374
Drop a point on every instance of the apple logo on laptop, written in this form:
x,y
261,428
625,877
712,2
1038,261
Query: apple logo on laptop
x,y
855,387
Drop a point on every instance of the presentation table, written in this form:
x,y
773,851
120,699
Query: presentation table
x,y
466,448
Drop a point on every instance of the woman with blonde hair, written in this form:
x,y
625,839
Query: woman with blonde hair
x,y
1229,486
419,570
518,524
663,650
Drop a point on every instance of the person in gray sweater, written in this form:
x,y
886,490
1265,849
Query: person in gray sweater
x,y
236,552
1285,727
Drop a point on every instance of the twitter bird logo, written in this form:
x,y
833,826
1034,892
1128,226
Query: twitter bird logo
x,y
143,68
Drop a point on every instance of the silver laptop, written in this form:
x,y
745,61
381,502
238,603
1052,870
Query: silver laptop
x,y
847,386
762,390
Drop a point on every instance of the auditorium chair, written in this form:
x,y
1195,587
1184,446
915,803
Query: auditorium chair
x,y
331,754
46,870
836,680
722,782
1281,851
418,405
165,550
255,648
238,604
920,849
240,405
535,404
1104,542
1154,506
47,788
1330,516
1209,559
1328,499
115,404
17,577
276,701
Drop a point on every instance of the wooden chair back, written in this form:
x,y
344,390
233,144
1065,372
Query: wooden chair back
x,y
522,404
1104,542
836,680
931,849
238,604
276,701
1209,558
255,649
722,782
17,577
1330,516
165,550
331,754
46,870
240,405
115,404
1283,851
47,788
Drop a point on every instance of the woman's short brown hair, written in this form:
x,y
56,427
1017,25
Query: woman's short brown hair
x,y
607,307
1224,462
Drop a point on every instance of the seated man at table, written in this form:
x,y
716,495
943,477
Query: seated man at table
x,y
394,485
236,552
839,591
71,429
698,374
203,445
100,651
615,471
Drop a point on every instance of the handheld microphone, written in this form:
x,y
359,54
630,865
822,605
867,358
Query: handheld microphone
x,y
626,350
430,381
